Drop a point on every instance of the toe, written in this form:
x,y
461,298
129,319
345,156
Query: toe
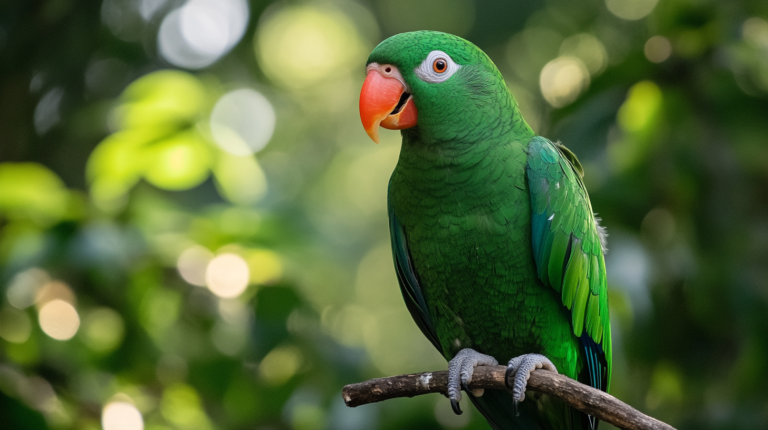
x,y
460,371
454,381
467,371
519,370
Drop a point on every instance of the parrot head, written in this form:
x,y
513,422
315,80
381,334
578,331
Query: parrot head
x,y
435,84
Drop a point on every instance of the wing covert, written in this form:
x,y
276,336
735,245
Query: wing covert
x,y
568,249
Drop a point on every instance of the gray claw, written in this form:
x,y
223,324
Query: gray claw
x,y
456,408
519,370
460,371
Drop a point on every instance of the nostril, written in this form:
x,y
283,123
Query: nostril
x,y
388,69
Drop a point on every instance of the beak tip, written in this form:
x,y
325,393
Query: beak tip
x,y
373,133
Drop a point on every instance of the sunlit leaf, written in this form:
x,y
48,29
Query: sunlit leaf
x,y
32,191
181,406
641,107
638,117
178,163
117,164
160,98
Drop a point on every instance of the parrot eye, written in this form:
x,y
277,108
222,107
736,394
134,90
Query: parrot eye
x,y
437,67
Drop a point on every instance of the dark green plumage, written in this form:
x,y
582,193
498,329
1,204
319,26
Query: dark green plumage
x,y
494,239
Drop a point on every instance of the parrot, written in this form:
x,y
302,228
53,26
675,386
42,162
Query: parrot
x,y
498,253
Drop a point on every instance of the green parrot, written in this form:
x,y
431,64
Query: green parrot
x,y
496,248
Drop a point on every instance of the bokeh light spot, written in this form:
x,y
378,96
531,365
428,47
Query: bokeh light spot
x,y
160,99
123,18
47,112
529,50
181,406
179,163
23,288
227,275
204,31
15,326
115,166
562,80
365,182
121,416
38,393
148,8
240,180
588,49
658,227
349,325
31,191
59,319
755,31
242,122
201,31
192,264
301,45
666,386
307,416
159,311
643,101
53,290
266,266
631,10
103,329
629,269
657,49
280,364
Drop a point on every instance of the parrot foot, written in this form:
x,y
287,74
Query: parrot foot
x,y
519,370
460,371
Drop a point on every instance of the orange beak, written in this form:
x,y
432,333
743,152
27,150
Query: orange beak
x,y
383,101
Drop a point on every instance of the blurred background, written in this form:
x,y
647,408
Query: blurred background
x,y
193,227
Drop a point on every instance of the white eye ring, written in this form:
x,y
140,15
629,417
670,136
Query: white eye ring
x,y
426,70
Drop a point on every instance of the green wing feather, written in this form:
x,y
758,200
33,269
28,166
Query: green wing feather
x,y
410,286
568,250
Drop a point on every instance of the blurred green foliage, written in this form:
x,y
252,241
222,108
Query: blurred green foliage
x,y
161,267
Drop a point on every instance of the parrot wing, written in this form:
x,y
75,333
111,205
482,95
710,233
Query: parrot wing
x,y
409,280
568,247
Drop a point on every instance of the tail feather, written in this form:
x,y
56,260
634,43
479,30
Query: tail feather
x,y
537,412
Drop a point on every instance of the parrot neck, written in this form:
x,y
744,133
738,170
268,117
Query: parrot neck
x,y
427,166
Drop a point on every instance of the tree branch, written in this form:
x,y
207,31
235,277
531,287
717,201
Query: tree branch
x,y
582,397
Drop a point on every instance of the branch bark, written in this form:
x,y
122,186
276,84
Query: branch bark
x,y
582,397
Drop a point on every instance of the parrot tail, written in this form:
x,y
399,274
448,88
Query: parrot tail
x,y
537,412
